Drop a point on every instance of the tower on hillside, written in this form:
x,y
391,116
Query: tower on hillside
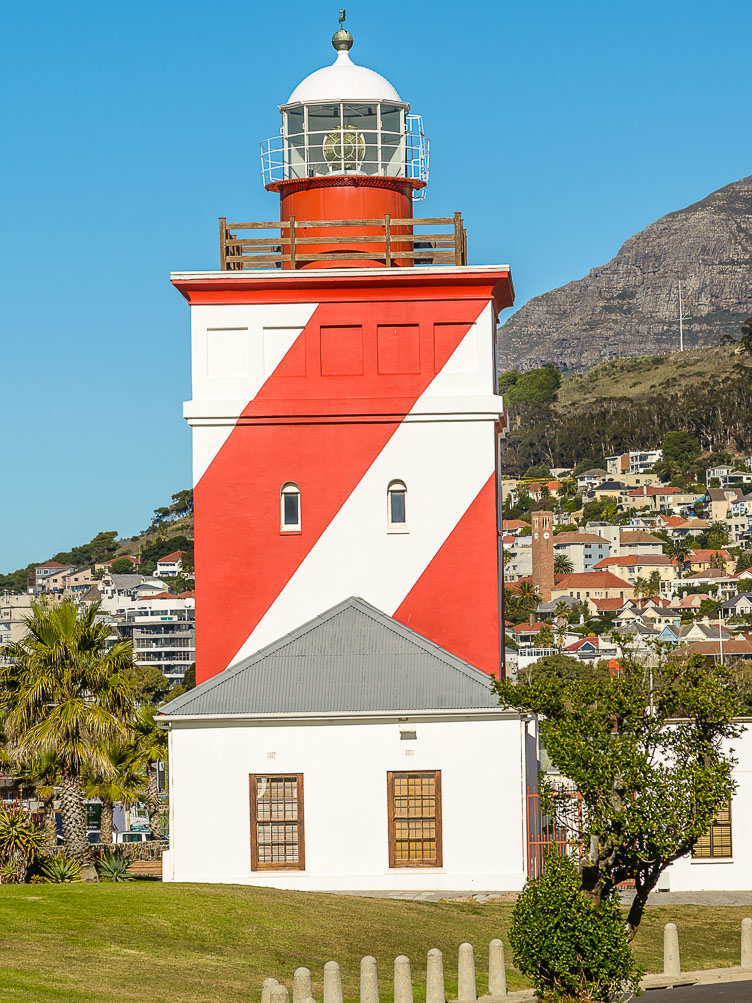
x,y
543,553
345,412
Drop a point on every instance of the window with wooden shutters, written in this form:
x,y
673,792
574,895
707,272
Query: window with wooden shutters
x,y
716,842
277,828
414,819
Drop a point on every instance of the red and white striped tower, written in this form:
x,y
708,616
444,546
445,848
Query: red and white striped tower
x,y
345,416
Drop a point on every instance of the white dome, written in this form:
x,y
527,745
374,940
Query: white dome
x,y
344,80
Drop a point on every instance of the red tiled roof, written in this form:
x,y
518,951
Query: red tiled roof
x,y
632,559
607,604
187,595
593,580
507,524
526,628
171,558
159,595
706,555
52,564
731,646
638,536
579,538
650,490
583,640
675,521
122,557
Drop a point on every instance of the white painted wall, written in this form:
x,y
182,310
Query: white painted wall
x,y
482,761
734,873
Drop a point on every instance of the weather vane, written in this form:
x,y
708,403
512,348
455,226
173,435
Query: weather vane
x,y
342,16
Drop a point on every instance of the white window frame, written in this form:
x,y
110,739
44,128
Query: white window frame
x,y
396,486
289,488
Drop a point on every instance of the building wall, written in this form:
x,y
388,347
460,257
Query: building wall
x,y
725,874
344,767
341,399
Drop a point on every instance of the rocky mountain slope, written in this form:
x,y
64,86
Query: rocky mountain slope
x,y
629,306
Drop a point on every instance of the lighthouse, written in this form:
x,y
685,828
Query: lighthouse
x,y
344,413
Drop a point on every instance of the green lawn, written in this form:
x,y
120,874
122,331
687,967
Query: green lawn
x,y
152,942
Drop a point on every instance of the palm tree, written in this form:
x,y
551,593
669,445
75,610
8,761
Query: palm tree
x,y
528,598
640,584
121,782
652,585
562,565
718,534
717,560
66,693
43,773
152,746
680,550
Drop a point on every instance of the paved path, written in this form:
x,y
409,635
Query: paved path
x,y
657,898
725,992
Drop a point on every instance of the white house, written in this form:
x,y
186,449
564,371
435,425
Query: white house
x,y
351,754
170,565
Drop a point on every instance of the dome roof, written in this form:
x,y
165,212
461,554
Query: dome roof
x,y
344,80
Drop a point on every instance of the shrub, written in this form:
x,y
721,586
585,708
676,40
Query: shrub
x,y
21,841
60,870
113,866
570,950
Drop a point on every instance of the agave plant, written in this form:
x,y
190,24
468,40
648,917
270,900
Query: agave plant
x,y
60,870
21,841
113,866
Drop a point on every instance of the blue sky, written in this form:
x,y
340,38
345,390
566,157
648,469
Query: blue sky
x,y
558,129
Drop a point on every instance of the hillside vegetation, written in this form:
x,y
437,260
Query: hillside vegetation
x,y
631,404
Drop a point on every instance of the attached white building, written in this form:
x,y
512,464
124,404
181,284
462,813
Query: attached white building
x,y
351,754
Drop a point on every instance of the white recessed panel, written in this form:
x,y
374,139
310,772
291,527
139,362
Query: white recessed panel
x,y
276,344
228,353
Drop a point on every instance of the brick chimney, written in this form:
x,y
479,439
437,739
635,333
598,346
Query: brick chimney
x,y
543,553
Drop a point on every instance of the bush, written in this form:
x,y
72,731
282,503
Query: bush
x,y
571,951
60,870
21,841
113,866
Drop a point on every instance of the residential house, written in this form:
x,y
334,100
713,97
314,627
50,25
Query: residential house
x,y
70,582
607,490
738,605
637,541
736,648
14,609
640,566
513,527
170,565
739,519
161,627
106,565
703,630
702,560
726,585
678,527
590,478
591,649
591,585
633,462
377,709
663,498
584,550
44,572
718,502
131,586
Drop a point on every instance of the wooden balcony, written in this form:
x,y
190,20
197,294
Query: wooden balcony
x,y
384,242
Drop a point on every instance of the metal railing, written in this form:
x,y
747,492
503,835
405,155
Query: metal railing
x,y
395,243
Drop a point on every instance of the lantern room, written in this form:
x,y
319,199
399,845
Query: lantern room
x,y
346,120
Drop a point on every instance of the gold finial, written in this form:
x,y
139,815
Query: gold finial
x,y
342,39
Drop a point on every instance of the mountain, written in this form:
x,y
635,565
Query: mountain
x,y
631,404
629,306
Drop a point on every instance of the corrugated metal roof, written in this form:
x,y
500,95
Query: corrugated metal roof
x,y
353,658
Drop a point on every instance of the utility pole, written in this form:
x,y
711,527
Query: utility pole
x,y
681,321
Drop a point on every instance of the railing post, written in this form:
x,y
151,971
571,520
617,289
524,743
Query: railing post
x,y
458,238
292,243
388,238
222,245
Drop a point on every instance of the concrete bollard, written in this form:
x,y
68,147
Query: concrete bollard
x,y
403,981
671,959
369,980
435,992
302,986
466,989
279,994
266,987
497,972
747,943
332,983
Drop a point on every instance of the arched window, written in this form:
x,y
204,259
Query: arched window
x,y
289,504
396,507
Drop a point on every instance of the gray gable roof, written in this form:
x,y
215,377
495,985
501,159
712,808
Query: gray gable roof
x,y
353,658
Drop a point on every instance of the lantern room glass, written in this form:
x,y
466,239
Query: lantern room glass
x,y
344,138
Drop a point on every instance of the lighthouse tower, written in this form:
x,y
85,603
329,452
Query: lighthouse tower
x,y
345,416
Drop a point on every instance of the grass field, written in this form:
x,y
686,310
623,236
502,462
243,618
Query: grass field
x,y
153,942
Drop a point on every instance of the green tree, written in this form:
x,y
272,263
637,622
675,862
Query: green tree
x,y
717,535
562,565
680,550
148,683
544,638
151,748
743,562
537,471
537,386
117,780
122,566
528,598
569,950
653,584
65,692
649,787
680,448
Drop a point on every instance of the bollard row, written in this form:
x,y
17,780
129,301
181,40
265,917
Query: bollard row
x,y
302,984
672,956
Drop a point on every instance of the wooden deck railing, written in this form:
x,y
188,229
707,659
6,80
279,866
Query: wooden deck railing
x,y
396,242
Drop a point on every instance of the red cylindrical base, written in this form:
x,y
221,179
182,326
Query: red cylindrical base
x,y
347,198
